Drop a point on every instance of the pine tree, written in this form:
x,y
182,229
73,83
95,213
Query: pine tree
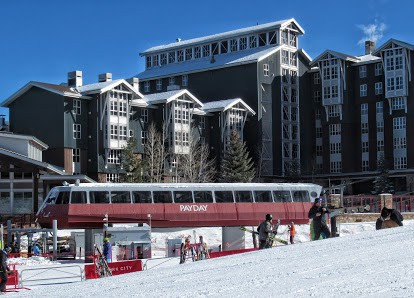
x,y
382,183
132,167
236,165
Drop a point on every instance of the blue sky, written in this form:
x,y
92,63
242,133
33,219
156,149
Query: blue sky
x,y
43,40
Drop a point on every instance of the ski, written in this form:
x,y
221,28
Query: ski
x,y
101,264
272,237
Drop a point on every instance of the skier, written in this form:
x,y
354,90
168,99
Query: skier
x,y
4,269
266,232
201,249
316,213
292,232
107,249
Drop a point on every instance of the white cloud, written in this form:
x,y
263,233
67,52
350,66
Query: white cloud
x,y
373,32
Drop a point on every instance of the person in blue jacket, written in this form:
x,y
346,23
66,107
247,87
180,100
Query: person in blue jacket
x,y
107,249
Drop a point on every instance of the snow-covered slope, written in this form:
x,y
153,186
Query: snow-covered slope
x,y
371,263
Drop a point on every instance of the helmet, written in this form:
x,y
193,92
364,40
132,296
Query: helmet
x,y
269,216
318,200
106,239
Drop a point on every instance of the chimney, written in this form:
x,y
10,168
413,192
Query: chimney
x,y
75,78
369,47
105,77
178,39
134,82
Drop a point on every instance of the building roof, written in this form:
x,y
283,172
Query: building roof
x,y
225,104
169,96
339,55
58,89
391,41
102,87
224,35
24,137
205,63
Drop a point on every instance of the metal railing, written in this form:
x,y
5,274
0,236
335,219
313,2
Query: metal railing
x,y
51,275
400,203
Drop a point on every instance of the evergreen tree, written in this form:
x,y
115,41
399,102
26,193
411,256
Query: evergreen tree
x,y
382,183
132,166
236,165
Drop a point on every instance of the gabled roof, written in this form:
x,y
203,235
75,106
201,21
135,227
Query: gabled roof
x,y
165,97
391,41
220,61
225,104
24,137
339,55
57,89
225,35
106,86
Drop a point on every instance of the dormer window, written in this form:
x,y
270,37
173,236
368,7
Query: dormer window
x,y
206,50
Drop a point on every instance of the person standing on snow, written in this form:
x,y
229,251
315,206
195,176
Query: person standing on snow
x,y
107,250
292,232
4,269
316,213
265,232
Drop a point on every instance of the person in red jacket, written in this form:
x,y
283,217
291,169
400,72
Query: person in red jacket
x,y
292,232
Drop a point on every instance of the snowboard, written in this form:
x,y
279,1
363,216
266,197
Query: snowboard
x,y
101,264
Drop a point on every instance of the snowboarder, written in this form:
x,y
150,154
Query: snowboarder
x,y
266,232
316,213
107,249
395,219
292,232
4,269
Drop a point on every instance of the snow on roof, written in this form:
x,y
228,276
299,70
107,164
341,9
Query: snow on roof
x,y
367,59
222,105
340,55
224,60
169,96
224,35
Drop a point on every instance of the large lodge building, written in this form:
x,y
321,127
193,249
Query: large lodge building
x,y
327,120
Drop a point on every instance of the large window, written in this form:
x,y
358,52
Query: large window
x,y
363,71
300,196
183,197
378,69
316,78
263,196
334,129
162,197
400,162
398,103
333,111
99,197
363,90
142,197
378,88
144,115
224,196
78,197
379,107
317,96
242,196
282,196
76,107
335,148
147,86
120,197
114,156
266,70
76,155
364,127
203,196
364,109
399,123
159,84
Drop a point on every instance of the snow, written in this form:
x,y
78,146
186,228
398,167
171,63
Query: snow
x,y
362,262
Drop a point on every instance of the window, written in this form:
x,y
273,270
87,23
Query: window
x,y
378,69
183,197
364,109
163,58
334,129
147,86
180,56
159,84
316,78
364,127
243,43
202,122
317,114
282,196
263,196
171,81
378,88
224,196
333,111
78,197
301,196
120,197
242,196
399,83
144,115
398,62
188,54
380,145
184,80
336,166
400,162
76,155
99,197
144,137
363,90
76,107
266,70
142,197
318,150
379,107
197,52
162,197
155,60
380,126
365,147
171,57
114,132
390,84
206,50
399,123
148,59
203,196
253,41
114,107
398,103
400,143
317,96
318,132
365,165
285,57
114,156
292,59
123,132
76,131
112,178
335,148
362,71
62,198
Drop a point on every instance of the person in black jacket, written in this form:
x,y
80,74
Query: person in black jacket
x,y
4,269
393,214
316,213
